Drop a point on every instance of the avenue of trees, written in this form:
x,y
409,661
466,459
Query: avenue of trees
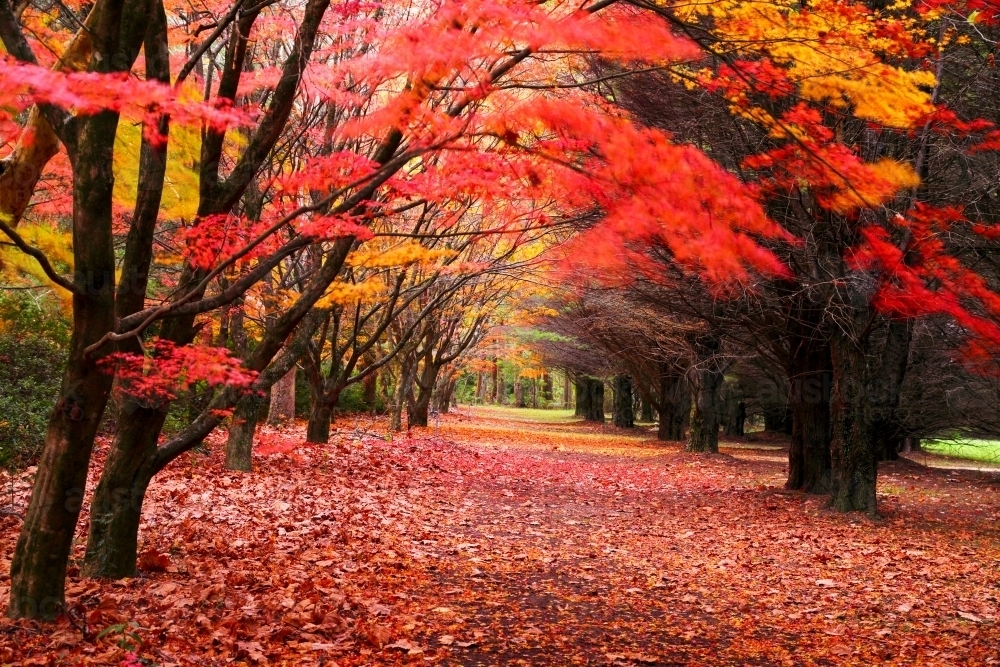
x,y
228,208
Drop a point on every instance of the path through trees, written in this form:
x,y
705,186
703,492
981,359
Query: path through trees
x,y
501,540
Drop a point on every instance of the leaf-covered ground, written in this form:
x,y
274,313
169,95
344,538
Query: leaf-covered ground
x,y
492,541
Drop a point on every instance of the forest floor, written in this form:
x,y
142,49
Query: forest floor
x,y
495,541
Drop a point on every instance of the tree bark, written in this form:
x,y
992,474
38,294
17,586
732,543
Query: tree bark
x,y
705,408
417,410
595,403
239,445
547,389
623,415
443,395
582,397
810,380
369,390
777,418
320,420
855,469
734,409
809,453
282,408
38,568
735,420
886,430
646,410
674,403
495,372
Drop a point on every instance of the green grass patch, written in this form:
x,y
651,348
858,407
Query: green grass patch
x,y
987,451
522,414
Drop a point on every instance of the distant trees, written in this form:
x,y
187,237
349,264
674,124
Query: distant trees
x,y
877,246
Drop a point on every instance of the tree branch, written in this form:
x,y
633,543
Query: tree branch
x,y
40,257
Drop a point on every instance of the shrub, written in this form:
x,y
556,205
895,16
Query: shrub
x,y
30,374
352,399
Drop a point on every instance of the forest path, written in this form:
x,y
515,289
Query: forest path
x,y
501,539
567,543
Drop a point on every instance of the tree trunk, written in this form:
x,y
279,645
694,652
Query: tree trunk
x,y
38,567
369,390
622,415
547,389
282,408
320,420
495,373
810,379
116,510
402,389
777,418
855,470
646,410
674,403
582,397
595,403
519,393
147,426
884,401
444,395
567,391
705,408
734,410
736,420
417,410
239,445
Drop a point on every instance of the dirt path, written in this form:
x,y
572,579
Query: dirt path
x,y
497,542
575,548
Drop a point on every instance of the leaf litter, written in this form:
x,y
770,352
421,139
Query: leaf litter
x,y
491,543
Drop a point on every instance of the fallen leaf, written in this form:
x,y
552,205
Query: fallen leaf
x,y
970,617
151,560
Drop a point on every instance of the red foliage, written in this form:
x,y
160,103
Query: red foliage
x,y
170,370
23,85
927,279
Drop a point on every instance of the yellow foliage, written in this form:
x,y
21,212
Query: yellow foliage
x,y
404,254
341,293
890,178
833,56
18,268
180,187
